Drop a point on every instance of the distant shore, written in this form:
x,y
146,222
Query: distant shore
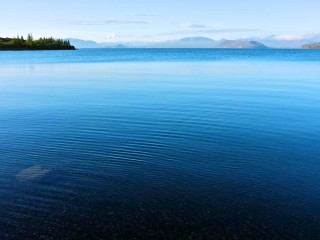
x,y
29,44
311,46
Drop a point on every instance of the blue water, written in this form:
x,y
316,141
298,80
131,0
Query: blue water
x,y
160,144
158,55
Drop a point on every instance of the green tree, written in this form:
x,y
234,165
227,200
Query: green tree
x,y
30,40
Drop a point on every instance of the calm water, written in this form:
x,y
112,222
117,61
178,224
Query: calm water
x,y
160,144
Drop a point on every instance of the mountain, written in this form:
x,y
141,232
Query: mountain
x,y
311,46
120,46
189,42
113,45
286,41
78,43
203,42
241,44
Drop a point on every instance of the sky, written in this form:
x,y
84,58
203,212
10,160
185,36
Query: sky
x,y
151,20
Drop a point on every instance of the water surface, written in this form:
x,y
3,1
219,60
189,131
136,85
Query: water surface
x,y
160,144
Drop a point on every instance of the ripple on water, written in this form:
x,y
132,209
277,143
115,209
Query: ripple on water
x,y
160,151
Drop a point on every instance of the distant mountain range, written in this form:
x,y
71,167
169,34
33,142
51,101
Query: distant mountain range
x,y
203,42
283,42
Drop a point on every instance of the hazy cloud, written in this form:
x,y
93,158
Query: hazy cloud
x,y
290,37
107,22
194,26
118,36
124,22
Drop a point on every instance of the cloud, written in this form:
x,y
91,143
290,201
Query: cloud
x,y
289,37
194,26
118,36
107,22
124,22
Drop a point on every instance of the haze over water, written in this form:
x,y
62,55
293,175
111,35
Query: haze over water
x,y
160,144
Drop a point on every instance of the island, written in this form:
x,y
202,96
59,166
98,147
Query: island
x,y
311,46
19,43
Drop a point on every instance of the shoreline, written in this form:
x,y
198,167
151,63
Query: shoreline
x,y
44,49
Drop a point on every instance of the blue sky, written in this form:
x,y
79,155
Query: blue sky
x,y
150,20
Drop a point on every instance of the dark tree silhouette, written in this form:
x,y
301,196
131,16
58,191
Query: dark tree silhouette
x,y
19,43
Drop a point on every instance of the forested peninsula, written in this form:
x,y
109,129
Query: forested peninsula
x,y
19,43
311,46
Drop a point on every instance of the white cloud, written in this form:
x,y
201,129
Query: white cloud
x,y
105,22
117,36
194,26
290,37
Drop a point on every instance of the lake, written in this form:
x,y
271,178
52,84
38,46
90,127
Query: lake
x,y
160,144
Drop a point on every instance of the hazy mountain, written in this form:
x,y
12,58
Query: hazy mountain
x,y
78,43
120,46
241,44
190,42
203,42
282,42
112,45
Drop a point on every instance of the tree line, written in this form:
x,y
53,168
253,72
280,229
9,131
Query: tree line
x,y
19,42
